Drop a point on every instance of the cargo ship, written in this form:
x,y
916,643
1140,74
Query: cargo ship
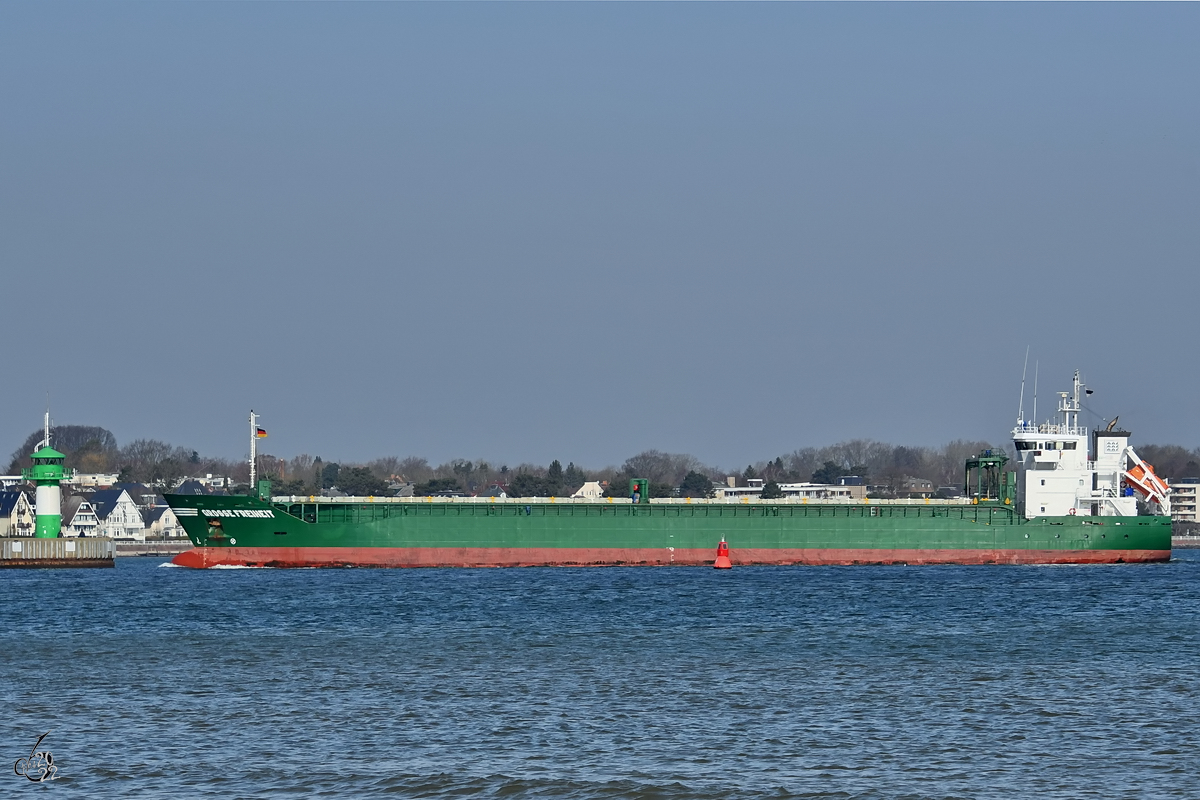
x,y
1075,496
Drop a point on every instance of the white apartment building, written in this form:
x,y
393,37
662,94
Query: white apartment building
x,y
1183,501
813,492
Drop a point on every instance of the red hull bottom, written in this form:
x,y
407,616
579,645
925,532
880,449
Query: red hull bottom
x,y
204,557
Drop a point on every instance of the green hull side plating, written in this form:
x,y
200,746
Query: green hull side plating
x,y
215,522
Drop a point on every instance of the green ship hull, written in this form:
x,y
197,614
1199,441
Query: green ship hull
x,y
478,532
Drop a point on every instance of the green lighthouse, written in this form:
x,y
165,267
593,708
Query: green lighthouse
x,y
47,473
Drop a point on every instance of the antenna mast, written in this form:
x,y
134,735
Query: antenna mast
x,y
253,447
1021,404
1035,372
1070,403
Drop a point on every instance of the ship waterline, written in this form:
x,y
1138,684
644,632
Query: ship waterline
x,y
206,557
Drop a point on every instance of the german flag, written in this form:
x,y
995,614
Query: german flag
x,y
260,433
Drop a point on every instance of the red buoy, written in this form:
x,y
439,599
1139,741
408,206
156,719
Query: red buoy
x,y
723,561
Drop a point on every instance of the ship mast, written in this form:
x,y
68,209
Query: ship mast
x,y
1069,403
253,447
1021,403
1035,376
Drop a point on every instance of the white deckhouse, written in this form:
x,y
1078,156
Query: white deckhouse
x,y
1059,476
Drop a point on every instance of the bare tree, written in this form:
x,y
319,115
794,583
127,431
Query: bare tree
x,y
300,467
949,461
415,469
75,442
663,468
1171,461
152,461
386,467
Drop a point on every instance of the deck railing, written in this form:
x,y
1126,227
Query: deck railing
x,y
1051,428
786,501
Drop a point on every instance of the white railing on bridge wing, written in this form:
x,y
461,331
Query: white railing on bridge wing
x,y
1050,428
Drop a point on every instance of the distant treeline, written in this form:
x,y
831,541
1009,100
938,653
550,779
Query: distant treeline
x,y
95,450
92,449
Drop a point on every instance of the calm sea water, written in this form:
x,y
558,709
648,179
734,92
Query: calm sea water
x,y
840,682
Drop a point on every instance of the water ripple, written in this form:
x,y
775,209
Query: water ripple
x,y
838,682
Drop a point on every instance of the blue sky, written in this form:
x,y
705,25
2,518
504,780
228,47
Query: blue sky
x,y
526,231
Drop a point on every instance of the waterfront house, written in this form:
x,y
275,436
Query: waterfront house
x,y
216,484
94,480
140,493
916,488
78,517
118,515
592,490
192,486
161,523
17,514
209,484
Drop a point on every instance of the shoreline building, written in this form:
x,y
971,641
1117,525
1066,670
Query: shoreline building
x,y
17,516
119,517
79,520
1183,501
812,492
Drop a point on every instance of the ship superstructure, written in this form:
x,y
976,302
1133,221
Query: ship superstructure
x,y
1065,470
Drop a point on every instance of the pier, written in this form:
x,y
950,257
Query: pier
x,y
31,552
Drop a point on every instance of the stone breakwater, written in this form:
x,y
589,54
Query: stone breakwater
x,y
30,552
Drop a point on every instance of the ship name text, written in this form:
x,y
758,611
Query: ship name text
x,y
238,512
